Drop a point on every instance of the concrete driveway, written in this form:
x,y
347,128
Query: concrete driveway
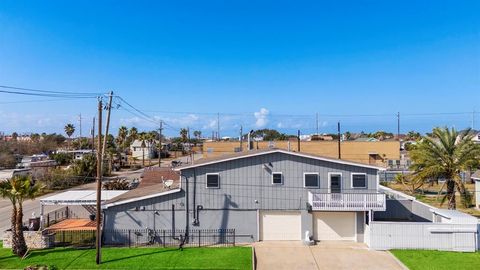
x,y
324,255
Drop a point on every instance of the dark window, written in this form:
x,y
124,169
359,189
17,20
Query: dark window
x,y
359,180
311,180
213,181
335,183
277,178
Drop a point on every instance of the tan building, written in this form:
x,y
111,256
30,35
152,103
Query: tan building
x,y
373,153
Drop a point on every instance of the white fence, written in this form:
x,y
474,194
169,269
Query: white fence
x,y
423,235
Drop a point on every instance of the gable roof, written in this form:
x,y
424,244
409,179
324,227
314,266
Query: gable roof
x,y
476,175
253,153
143,193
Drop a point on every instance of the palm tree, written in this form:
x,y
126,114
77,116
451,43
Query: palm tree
x,y
18,189
122,137
444,155
69,130
184,134
197,134
143,137
150,139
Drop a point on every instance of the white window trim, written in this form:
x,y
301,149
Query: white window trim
x,y
318,179
277,184
206,180
329,182
351,180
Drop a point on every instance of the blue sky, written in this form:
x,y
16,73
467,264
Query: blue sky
x,y
272,64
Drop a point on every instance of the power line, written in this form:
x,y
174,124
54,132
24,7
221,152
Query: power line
x,y
49,91
47,95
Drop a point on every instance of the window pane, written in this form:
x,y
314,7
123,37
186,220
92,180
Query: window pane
x,y
311,180
359,180
212,180
277,178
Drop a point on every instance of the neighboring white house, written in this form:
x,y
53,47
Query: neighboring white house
x,y
9,173
27,160
476,178
476,138
138,151
77,154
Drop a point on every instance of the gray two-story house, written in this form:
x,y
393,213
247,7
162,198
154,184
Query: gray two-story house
x,y
264,195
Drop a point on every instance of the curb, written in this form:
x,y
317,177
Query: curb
x,y
254,259
398,261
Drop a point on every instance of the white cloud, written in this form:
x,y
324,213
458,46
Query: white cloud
x,y
261,118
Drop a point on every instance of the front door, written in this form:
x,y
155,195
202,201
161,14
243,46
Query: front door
x,y
335,183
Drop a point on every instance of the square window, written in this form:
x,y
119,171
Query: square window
x,y
277,178
213,181
359,180
311,180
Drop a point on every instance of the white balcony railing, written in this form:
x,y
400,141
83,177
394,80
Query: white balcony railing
x,y
347,201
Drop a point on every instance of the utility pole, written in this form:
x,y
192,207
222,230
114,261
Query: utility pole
x,y
339,147
93,134
473,120
298,140
218,125
317,124
189,145
101,150
398,126
99,183
80,120
160,144
241,138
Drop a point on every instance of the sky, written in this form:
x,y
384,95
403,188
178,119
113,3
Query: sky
x,y
258,64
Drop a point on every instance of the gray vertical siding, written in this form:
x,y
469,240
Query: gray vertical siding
x,y
245,188
404,210
246,184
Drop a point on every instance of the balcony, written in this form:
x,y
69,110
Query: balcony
x,y
347,201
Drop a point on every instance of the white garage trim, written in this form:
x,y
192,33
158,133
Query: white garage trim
x,y
280,225
337,226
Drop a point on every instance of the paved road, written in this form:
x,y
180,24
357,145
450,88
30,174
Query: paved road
x,y
324,255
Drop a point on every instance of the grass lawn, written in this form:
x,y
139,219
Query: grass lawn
x,y
432,259
134,258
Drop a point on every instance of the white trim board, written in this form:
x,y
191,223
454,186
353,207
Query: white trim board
x,y
253,154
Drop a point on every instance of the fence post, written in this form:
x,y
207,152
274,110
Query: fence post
x,y
199,238
63,238
129,239
163,238
233,237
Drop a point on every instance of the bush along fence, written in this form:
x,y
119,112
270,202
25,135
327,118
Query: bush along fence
x,y
144,238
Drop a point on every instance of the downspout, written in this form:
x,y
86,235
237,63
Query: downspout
x,y
195,217
186,213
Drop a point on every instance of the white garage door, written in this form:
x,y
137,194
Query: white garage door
x,y
280,225
334,225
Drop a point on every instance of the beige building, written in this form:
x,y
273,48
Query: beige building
x,y
373,153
